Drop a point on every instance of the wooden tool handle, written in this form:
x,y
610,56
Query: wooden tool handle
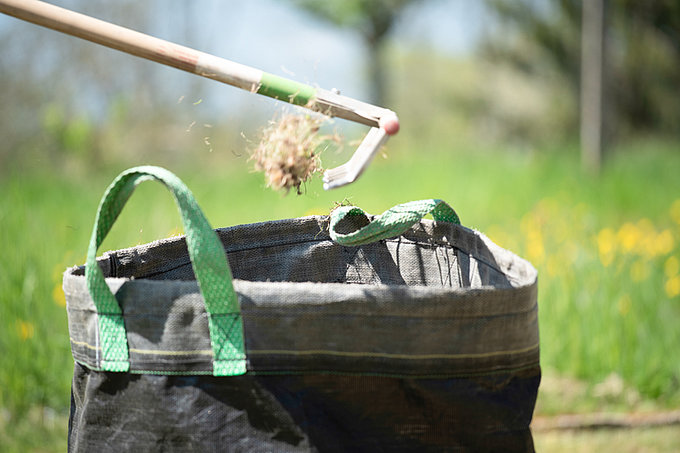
x,y
132,42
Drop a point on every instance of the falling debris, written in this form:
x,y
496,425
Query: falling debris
x,y
289,151
287,71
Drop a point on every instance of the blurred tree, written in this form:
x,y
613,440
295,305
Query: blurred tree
x,y
643,65
373,19
64,96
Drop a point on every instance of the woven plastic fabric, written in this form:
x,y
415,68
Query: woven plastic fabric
x,y
427,341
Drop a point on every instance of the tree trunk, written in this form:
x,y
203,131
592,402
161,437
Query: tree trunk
x,y
593,54
376,71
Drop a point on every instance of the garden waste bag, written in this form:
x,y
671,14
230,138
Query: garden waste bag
x,y
340,333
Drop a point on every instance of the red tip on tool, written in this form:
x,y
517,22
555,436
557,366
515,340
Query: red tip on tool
x,y
390,124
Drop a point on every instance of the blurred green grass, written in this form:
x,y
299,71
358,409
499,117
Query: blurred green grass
x,y
606,247
651,440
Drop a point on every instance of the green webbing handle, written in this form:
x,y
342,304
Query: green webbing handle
x,y
210,268
391,223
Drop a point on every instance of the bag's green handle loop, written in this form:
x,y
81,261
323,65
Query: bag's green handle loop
x,y
210,266
391,223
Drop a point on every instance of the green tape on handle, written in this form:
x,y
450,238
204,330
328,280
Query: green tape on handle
x,y
391,223
210,268
285,89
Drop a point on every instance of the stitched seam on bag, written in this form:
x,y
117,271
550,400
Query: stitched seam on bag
x,y
395,356
491,372
357,354
156,372
147,351
197,363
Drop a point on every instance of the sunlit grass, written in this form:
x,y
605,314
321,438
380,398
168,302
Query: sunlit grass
x,y
651,440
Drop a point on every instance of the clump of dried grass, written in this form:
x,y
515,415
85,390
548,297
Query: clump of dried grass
x,y
288,153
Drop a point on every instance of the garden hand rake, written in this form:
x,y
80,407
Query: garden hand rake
x,y
383,122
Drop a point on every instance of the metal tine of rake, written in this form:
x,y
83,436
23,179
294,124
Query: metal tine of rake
x,y
350,171
383,122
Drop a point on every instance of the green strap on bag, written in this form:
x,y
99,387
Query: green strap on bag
x,y
210,267
391,223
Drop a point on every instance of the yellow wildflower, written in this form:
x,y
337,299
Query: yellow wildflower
x,y
58,295
672,266
629,235
535,250
664,242
675,211
673,286
25,329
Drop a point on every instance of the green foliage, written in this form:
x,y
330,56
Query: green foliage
x,y
372,18
643,62
75,135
